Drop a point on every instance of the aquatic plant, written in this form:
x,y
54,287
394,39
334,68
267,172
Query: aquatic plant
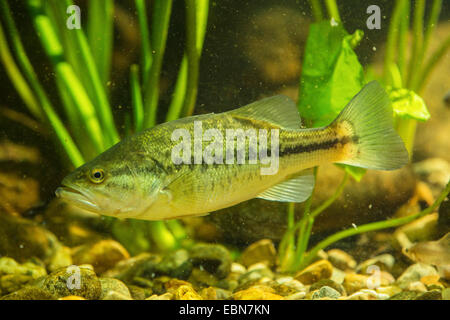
x,y
81,61
331,76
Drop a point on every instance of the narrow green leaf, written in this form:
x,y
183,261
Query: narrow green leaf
x,y
100,36
136,98
160,27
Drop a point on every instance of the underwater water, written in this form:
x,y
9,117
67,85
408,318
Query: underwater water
x,y
105,195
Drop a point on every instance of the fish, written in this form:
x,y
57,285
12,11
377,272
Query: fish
x,y
436,253
156,174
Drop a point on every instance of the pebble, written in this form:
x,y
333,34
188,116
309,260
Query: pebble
x,y
432,282
354,282
127,270
384,262
256,272
175,264
113,295
111,287
165,296
430,295
102,255
13,276
212,293
338,275
414,273
23,239
296,296
325,292
446,294
417,286
404,295
389,290
261,251
137,293
214,258
201,277
29,293
186,292
317,271
89,285
257,293
341,259
328,283
367,294
291,283
421,229
238,268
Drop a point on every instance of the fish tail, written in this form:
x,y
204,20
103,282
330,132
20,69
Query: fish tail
x,y
367,121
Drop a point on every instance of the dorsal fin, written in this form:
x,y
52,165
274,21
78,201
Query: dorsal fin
x,y
279,110
297,189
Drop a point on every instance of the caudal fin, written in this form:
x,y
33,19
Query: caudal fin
x,y
377,145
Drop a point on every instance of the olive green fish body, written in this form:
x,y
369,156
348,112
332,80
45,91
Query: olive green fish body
x,y
200,164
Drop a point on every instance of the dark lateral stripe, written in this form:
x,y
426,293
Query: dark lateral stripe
x,y
306,148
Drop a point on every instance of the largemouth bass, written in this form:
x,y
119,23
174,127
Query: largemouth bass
x,y
169,171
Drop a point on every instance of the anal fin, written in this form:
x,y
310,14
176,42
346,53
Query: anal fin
x,y
297,189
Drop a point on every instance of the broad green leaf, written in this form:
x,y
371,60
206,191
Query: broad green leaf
x,y
331,73
331,76
407,104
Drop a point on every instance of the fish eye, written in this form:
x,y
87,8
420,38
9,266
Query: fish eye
x,y
97,175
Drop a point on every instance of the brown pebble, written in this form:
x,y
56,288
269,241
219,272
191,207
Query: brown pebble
x,y
317,271
259,251
354,282
257,293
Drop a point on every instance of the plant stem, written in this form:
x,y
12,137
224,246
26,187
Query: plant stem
x,y
374,226
290,215
333,11
17,79
100,36
193,57
432,21
414,63
136,98
403,40
161,236
432,62
179,93
316,9
333,198
177,229
307,223
393,32
160,27
146,50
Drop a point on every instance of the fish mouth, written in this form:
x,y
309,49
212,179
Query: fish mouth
x,y
77,196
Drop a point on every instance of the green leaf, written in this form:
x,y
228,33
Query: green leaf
x,y
407,104
331,76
